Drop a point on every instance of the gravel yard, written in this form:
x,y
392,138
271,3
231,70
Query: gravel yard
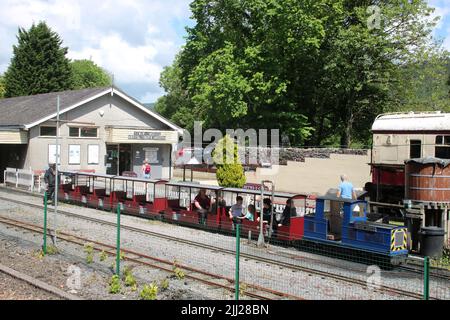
x,y
303,284
14,289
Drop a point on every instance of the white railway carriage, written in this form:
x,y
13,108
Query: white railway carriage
x,y
401,136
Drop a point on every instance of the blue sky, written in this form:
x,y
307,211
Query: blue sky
x,y
442,31
134,39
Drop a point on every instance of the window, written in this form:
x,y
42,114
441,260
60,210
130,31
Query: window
x,y
415,150
75,132
93,150
88,132
74,154
442,147
47,131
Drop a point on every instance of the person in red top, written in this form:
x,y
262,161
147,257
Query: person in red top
x,y
146,169
202,204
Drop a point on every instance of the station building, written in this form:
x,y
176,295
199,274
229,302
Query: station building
x,y
101,129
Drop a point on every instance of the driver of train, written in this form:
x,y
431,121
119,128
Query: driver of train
x,y
346,190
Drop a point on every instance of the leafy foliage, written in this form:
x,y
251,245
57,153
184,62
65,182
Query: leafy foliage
x,y
230,172
129,279
39,63
89,250
316,70
86,74
149,292
2,87
114,284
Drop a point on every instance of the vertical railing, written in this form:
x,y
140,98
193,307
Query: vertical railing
x,y
44,247
426,278
238,249
118,242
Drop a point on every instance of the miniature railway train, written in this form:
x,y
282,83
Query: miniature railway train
x,y
336,224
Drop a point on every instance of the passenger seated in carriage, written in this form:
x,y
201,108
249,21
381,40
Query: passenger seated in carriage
x,y
250,215
267,214
236,210
288,212
202,204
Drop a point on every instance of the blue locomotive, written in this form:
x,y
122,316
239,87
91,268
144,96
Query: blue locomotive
x,y
343,225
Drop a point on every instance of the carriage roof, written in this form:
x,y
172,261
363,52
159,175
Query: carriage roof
x,y
413,121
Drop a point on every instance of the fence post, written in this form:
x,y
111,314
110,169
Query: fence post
x,y
118,241
45,224
238,248
426,278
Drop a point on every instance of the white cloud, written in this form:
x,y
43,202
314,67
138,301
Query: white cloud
x,y
129,64
134,39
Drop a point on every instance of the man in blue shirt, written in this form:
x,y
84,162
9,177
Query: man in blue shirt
x,y
346,190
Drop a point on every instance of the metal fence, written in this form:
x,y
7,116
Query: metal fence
x,y
23,179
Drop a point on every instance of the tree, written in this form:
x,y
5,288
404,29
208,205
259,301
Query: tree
x,y
230,173
2,86
320,71
86,74
39,63
175,105
423,84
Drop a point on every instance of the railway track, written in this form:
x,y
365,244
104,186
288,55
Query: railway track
x,y
38,284
337,277
207,278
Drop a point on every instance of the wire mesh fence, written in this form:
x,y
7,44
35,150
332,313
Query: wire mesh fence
x,y
282,265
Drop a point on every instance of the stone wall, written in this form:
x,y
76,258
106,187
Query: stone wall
x,y
300,154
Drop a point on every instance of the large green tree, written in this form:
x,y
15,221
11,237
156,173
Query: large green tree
x,y
86,74
320,71
176,104
39,63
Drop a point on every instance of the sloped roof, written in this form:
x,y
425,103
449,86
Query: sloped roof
x,y
29,111
423,121
20,111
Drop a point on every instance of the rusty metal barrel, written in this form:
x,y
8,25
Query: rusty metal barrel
x,y
427,179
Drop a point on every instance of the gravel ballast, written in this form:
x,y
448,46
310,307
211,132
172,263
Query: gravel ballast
x,y
298,283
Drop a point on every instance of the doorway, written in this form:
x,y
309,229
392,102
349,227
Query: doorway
x,y
12,156
124,158
112,159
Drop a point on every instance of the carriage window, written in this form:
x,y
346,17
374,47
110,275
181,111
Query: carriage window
x,y
442,147
415,149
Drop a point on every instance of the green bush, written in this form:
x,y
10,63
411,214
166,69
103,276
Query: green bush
x,y
164,284
89,249
114,284
230,173
149,292
128,278
103,256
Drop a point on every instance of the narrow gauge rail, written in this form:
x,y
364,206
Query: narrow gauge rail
x,y
210,279
38,284
214,248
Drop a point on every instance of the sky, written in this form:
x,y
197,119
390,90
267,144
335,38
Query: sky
x,y
133,39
